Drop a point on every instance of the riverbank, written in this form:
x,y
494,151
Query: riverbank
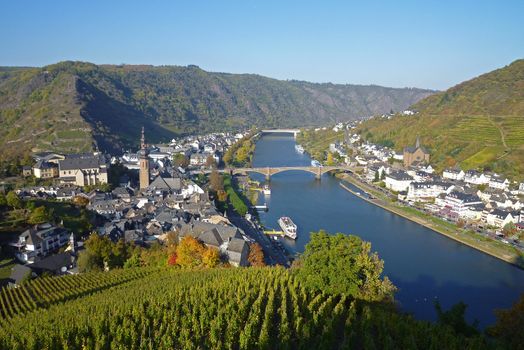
x,y
486,245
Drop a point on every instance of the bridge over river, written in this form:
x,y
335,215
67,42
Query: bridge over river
x,y
269,171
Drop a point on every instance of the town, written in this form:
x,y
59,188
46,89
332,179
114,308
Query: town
x,y
140,198
486,203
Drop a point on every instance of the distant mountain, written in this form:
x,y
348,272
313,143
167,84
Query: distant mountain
x,y
76,106
477,124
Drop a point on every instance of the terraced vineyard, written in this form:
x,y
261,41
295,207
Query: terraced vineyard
x,y
261,308
46,291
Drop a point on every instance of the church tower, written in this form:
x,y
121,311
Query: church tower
x,y
144,163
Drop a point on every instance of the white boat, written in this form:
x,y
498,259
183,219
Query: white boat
x,y
288,226
315,163
299,148
266,190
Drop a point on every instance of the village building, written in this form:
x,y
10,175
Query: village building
x,y
398,180
45,170
415,155
83,169
453,174
39,241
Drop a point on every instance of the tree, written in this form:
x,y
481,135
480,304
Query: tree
x,y
13,200
210,162
40,215
216,181
172,259
330,160
383,175
344,264
180,160
80,201
88,262
3,200
256,255
377,177
455,319
509,325
190,252
509,230
211,257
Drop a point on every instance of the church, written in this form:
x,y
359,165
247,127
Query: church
x,y
415,155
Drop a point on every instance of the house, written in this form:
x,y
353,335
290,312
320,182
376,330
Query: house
x,y
40,240
237,252
198,159
475,178
375,170
521,188
27,171
427,191
398,180
459,202
499,183
83,169
415,154
500,218
453,174
45,170
56,264
166,184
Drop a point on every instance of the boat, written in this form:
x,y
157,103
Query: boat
x,y
299,148
266,190
315,163
288,226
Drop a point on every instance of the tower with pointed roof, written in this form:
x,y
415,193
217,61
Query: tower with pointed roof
x,y
144,162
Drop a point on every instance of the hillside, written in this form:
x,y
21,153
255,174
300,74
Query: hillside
x,y
75,106
477,124
166,308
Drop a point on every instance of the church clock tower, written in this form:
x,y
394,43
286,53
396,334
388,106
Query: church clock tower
x,y
144,162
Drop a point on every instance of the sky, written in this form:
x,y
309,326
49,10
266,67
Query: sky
x,y
426,43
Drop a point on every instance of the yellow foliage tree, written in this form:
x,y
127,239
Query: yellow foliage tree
x,y
211,257
190,252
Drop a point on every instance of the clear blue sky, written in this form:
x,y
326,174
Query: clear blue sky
x,y
429,44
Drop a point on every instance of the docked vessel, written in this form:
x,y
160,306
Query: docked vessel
x,y
299,148
288,226
315,163
266,190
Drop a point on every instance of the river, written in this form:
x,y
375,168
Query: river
x,y
423,264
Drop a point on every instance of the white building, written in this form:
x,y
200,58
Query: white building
x,y
83,169
499,183
40,240
459,202
398,181
427,191
499,218
476,178
453,174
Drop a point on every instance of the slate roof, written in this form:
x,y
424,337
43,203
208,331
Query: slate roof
x,y
166,183
18,273
73,162
236,245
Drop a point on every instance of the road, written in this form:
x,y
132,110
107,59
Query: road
x,y
272,253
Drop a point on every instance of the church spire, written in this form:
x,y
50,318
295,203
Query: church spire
x,y
143,140
417,144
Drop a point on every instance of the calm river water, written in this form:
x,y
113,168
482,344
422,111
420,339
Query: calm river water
x,y
423,264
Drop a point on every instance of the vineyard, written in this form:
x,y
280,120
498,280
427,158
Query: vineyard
x,y
264,308
46,291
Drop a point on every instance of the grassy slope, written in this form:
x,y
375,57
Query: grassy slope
x,y
479,123
69,106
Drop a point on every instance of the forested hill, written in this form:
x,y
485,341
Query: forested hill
x,y
476,124
74,106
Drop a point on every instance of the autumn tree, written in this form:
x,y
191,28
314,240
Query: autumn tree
x,y
211,257
80,201
256,255
180,160
210,162
216,181
190,252
330,159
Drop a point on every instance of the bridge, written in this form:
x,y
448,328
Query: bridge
x,y
281,131
269,171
